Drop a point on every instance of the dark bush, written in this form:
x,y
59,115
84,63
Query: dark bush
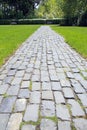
x,y
5,22
83,19
32,21
54,21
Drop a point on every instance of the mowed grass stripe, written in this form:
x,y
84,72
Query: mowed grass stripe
x,y
11,36
76,37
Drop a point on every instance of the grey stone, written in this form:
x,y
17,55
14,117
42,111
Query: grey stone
x,y
19,73
7,104
16,81
8,79
1,97
35,97
14,122
44,73
36,86
84,73
36,72
84,83
61,76
22,67
76,108
78,88
31,113
48,108
64,125
20,105
25,84
45,79
28,127
62,112
70,75
26,77
47,125
60,70
83,98
78,76
64,64
75,70
24,93
65,83
13,90
68,93
36,78
2,76
56,86
54,78
59,97
86,110
11,73
47,95
3,121
46,86
0,82
3,88
80,124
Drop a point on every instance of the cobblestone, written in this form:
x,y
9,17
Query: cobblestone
x,y
59,97
44,80
20,105
31,113
14,122
48,108
7,104
28,127
3,121
13,90
47,125
64,125
47,95
3,88
80,124
56,86
62,112
35,97
68,93
76,108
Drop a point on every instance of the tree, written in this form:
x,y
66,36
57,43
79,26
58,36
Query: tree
x,y
49,9
73,10
12,8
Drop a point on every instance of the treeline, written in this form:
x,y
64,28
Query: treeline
x,y
16,9
74,11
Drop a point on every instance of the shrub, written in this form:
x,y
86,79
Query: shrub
x,y
83,19
32,21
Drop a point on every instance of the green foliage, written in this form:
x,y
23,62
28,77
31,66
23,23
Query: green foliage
x,y
16,8
11,38
32,21
49,9
76,37
83,19
73,11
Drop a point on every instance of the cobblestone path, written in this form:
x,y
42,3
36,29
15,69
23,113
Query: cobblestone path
x,y
43,86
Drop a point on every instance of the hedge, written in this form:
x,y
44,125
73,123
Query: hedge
x,y
32,21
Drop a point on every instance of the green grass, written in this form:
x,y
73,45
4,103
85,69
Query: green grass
x,y
11,36
76,37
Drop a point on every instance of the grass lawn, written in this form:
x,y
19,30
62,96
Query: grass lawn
x,y
11,36
76,37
